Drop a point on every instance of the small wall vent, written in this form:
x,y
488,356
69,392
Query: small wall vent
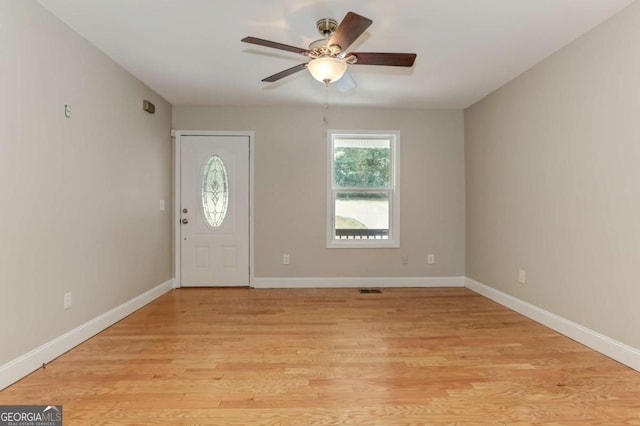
x,y
149,107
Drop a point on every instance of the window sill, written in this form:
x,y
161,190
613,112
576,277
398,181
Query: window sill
x,y
355,244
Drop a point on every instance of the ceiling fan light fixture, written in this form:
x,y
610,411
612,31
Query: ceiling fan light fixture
x,y
327,69
329,57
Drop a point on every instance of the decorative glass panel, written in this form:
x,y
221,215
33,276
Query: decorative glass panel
x,y
215,191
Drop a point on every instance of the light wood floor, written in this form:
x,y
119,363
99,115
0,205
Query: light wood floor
x,y
331,357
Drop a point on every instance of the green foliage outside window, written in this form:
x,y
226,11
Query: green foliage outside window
x,y
362,167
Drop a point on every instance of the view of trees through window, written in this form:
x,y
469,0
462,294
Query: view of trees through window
x,y
361,167
362,185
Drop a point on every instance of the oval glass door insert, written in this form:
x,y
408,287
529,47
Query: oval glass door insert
x,y
215,191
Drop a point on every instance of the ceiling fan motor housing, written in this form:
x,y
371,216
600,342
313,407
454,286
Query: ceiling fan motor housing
x,y
326,27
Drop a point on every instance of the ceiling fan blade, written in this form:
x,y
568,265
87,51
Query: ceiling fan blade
x,y
285,73
351,27
346,82
390,59
274,45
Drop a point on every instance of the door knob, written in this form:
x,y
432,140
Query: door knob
x,y
185,221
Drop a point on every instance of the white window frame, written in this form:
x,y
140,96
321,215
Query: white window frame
x,y
394,200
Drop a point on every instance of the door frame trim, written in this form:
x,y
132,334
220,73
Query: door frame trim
x,y
177,146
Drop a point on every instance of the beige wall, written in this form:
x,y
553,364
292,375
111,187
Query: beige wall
x,y
80,196
290,188
552,178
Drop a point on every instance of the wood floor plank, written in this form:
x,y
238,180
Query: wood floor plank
x,y
331,357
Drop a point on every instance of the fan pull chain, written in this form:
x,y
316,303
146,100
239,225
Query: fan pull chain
x,y
325,117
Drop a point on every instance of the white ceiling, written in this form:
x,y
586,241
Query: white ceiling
x,y
189,51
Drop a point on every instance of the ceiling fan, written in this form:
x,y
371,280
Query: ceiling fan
x,y
329,57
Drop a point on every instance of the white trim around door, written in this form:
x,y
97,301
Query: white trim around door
x,y
177,135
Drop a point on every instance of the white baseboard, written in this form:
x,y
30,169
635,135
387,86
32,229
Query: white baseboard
x,y
24,365
354,282
622,353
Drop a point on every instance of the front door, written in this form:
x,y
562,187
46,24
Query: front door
x,y
214,208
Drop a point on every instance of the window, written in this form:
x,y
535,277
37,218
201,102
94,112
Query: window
x,y
215,192
363,206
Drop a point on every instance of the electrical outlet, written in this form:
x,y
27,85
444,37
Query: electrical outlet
x,y
431,259
522,276
66,304
285,259
404,260
67,111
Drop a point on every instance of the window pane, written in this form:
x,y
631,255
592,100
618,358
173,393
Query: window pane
x,y
361,215
362,163
215,191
